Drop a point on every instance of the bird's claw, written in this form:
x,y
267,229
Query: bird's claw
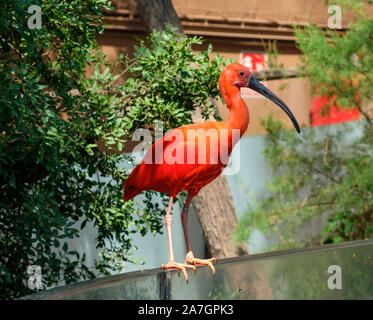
x,y
172,265
189,259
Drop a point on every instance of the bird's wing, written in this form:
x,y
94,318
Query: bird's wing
x,y
185,157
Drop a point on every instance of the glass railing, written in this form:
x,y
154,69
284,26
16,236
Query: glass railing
x,y
340,271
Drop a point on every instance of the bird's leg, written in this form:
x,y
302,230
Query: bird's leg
x,y
189,258
184,222
172,265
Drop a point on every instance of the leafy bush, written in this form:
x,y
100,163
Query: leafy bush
x,y
59,129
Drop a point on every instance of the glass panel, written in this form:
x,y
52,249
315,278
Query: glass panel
x,y
128,286
296,274
299,274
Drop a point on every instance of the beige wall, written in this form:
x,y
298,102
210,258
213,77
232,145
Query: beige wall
x,y
231,27
295,92
284,12
267,11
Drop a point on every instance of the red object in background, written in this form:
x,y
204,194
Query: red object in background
x,y
254,61
335,115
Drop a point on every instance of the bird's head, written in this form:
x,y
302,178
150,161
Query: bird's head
x,y
130,188
237,75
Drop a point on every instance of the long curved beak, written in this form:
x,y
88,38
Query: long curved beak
x,y
258,87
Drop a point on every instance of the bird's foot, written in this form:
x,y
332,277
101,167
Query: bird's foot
x,y
189,259
172,265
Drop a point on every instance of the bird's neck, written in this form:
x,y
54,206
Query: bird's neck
x,y
238,112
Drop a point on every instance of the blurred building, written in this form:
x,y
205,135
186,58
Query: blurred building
x,y
240,30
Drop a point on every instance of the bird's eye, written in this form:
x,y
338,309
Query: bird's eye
x,y
242,73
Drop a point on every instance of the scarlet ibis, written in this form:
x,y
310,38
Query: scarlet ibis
x,y
155,172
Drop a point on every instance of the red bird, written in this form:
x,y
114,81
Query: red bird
x,y
191,156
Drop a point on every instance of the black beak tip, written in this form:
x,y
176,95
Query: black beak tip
x,y
298,129
296,124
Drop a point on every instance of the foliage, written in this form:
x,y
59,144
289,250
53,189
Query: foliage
x,y
326,173
58,129
169,82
